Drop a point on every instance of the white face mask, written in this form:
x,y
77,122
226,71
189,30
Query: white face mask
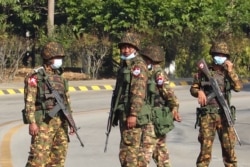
x,y
132,55
219,60
57,64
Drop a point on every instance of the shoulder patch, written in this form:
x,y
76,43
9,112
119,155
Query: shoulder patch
x,y
159,80
32,81
136,70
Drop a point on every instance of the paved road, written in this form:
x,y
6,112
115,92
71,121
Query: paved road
x,y
91,113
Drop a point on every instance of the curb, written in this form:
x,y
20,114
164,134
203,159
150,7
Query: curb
x,y
11,91
71,89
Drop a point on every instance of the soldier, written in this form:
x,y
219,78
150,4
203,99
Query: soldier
x,y
210,115
131,84
49,136
165,108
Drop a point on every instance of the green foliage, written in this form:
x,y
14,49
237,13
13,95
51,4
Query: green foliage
x,y
184,28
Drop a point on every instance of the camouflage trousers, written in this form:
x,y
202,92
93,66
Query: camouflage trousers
x,y
154,147
49,147
130,146
209,125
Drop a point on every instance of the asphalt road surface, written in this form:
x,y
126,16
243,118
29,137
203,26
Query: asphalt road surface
x,y
91,112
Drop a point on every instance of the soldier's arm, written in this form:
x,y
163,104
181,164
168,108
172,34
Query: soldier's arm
x,y
138,88
168,94
166,91
31,81
195,87
236,83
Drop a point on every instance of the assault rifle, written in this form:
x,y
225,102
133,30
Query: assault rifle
x,y
60,104
218,94
112,119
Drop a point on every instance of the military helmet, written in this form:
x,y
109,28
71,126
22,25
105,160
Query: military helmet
x,y
219,47
51,50
131,39
154,53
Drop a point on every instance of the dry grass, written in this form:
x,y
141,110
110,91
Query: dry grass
x,y
71,76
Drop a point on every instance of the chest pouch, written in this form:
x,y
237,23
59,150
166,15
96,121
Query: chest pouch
x,y
126,75
145,116
162,120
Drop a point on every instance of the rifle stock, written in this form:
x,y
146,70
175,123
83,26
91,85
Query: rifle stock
x,y
219,95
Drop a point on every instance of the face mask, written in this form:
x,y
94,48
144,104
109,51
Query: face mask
x,y
132,55
219,60
57,64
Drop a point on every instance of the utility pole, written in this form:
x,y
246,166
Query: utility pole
x,y
51,11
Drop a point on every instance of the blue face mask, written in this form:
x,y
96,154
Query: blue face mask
x,y
219,60
131,56
57,64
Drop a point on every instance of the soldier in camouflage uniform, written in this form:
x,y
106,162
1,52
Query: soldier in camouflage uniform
x,y
210,115
162,99
49,136
132,82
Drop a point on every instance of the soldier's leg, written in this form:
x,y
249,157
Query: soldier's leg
x,y
59,148
130,147
160,154
227,139
40,147
148,144
206,137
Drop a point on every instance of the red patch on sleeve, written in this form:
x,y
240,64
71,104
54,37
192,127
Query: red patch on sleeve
x,y
159,80
32,81
136,71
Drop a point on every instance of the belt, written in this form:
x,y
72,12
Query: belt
x,y
47,110
211,110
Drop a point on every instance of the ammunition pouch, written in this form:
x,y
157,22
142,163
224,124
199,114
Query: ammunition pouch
x,y
163,120
24,116
145,116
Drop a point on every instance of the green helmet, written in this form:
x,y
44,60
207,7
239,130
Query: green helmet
x,y
154,53
131,39
51,50
219,47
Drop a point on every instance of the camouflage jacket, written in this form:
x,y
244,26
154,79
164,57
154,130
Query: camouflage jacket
x,y
163,91
37,95
132,76
227,81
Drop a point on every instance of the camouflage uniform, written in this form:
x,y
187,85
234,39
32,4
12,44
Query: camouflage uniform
x,y
49,147
154,145
210,118
132,77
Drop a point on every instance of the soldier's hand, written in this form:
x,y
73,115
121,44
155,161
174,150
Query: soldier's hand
x,y
71,131
228,65
176,116
33,129
131,122
202,99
